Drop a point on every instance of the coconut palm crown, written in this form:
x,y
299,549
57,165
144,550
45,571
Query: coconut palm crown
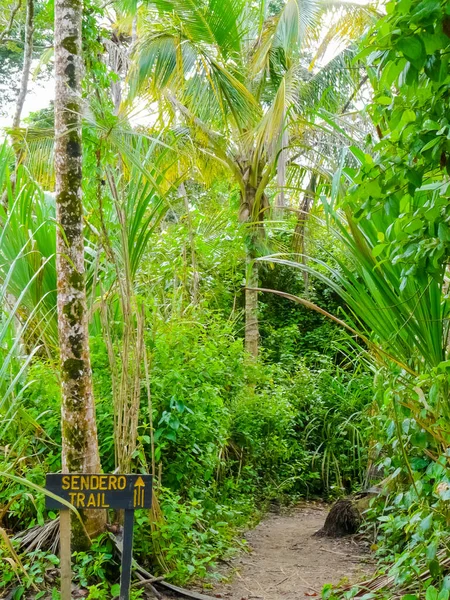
x,y
244,77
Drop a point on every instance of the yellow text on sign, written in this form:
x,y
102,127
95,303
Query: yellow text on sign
x,y
90,500
139,492
94,482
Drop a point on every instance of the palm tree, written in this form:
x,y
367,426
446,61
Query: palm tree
x,y
237,75
79,431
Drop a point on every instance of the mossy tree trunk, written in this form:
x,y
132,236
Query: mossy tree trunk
x,y
79,431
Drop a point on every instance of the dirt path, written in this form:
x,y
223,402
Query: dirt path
x,y
287,562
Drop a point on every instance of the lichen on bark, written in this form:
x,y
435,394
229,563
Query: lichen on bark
x,y
79,431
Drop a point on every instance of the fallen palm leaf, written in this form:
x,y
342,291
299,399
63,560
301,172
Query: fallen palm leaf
x,y
40,536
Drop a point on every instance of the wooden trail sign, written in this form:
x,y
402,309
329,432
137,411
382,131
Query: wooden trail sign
x,y
95,491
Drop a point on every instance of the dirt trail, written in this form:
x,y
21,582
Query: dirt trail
x,y
287,562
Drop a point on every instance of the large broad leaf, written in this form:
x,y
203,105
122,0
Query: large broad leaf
x,y
413,48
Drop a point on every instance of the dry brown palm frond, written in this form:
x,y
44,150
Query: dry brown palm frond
x,y
40,537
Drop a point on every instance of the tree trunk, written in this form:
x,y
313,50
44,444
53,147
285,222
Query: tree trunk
x,y
281,174
299,240
251,308
255,217
195,273
79,431
27,56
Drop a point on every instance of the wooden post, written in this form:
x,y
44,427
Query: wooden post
x,y
127,555
65,554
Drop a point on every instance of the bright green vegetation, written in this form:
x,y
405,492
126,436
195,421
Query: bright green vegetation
x,y
230,436
351,383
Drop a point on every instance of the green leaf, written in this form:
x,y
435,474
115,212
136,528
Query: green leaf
x,y
378,249
420,440
443,232
403,7
432,593
391,73
424,9
115,590
358,154
418,463
433,68
414,177
408,116
434,394
431,125
158,433
414,225
372,188
425,524
434,567
411,74
174,424
413,48
431,144
431,551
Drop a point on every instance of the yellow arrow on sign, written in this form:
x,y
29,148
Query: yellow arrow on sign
x,y
139,492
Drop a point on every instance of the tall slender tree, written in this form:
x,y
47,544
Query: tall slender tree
x,y
79,431
27,57
237,75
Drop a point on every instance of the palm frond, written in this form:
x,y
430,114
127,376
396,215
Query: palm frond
x,y
332,85
296,21
170,61
346,25
406,320
214,22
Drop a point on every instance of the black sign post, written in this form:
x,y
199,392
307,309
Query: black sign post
x,y
127,555
91,491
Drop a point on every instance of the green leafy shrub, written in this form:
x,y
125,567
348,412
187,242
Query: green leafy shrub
x,y
193,535
309,437
197,368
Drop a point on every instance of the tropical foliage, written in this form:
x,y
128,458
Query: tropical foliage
x,y
266,242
